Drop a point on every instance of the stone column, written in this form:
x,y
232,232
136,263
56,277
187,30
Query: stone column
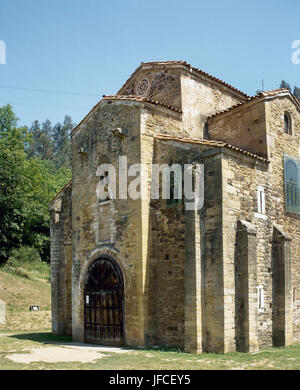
x,y
192,283
245,285
282,288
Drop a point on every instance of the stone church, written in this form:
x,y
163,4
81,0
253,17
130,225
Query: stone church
x,y
145,272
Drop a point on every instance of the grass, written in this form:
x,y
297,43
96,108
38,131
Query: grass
x,y
26,330
27,263
19,292
146,359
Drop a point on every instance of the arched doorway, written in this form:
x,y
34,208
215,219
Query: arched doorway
x,y
103,303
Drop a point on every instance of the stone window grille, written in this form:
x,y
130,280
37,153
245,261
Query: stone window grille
x,y
261,200
261,204
260,299
287,123
292,184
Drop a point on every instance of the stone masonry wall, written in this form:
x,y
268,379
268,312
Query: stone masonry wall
x,y
278,144
159,282
195,321
112,227
200,99
241,177
196,97
61,262
243,126
118,225
162,85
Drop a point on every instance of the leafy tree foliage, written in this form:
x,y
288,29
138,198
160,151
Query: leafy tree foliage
x,y
297,92
284,84
31,173
62,146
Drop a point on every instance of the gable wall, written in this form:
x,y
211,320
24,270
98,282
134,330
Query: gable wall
x,y
162,85
201,98
244,127
108,227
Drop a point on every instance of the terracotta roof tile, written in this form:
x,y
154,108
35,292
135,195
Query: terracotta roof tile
x,y
190,67
220,144
140,99
259,97
129,98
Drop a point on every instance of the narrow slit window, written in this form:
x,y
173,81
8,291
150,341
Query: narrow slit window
x,y
287,123
175,189
261,200
260,298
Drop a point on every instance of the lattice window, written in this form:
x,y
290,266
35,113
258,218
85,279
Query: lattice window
x,y
261,200
292,184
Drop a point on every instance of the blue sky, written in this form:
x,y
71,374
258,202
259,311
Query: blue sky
x,y
92,47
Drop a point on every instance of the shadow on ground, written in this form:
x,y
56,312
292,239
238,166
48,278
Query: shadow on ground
x,y
46,337
49,338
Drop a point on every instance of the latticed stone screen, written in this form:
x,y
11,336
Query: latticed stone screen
x,y
292,184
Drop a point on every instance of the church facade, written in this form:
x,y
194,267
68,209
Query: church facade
x,y
144,271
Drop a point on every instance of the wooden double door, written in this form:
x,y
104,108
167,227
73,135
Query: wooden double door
x,y
103,303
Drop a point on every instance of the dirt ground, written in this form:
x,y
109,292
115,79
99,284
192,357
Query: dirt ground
x,y
68,352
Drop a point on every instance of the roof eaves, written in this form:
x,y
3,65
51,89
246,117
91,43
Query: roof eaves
x,y
258,98
80,123
211,143
128,98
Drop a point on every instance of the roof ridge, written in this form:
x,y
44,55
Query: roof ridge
x,y
211,143
180,62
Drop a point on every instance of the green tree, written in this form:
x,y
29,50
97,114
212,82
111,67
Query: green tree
x,y
12,181
41,144
28,181
62,144
297,92
47,141
284,84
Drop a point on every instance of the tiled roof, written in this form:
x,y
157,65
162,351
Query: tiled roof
x,y
189,68
61,190
140,99
259,97
129,98
206,142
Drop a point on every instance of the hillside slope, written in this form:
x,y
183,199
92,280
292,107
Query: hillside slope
x,y
19,293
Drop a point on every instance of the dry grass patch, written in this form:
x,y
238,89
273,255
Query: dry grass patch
x,y
19,293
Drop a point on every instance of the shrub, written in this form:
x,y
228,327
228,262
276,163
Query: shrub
x,y
26,261
23,255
